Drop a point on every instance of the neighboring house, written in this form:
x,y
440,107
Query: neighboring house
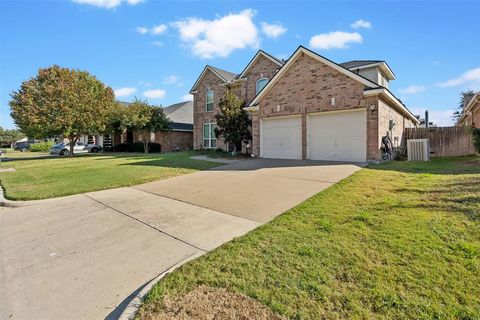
x,y
471,113
180,137
307,107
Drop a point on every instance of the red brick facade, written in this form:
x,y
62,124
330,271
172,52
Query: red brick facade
x,y
307,86
244,88
169,140
210,81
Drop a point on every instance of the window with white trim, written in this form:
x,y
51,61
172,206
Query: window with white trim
x,y
209,101
260,84
209,137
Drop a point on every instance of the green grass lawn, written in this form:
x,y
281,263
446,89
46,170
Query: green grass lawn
x,y
54,177
393,241
10,153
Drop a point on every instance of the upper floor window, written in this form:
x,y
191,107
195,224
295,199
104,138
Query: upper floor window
x,y
260,84
209,104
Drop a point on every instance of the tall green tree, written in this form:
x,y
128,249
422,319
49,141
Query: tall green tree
x,y
146,119
62,102
9,136
465,97
233,122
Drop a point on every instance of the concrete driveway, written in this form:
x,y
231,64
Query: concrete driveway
x,y
79,257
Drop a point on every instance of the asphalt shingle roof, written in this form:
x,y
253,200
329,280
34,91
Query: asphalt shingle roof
x,y
180,112
227,75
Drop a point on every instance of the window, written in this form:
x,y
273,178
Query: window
x,y
261,83
209,138
209,105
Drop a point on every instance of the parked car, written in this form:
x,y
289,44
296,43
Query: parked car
x,y
63,149
23,145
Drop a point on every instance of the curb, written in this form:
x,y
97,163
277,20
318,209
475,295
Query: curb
x,y
131,309
13,204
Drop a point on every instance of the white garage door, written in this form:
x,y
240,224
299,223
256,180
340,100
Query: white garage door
x,y
337,136
281,138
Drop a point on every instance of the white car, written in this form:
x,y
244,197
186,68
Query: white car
x,y
63,149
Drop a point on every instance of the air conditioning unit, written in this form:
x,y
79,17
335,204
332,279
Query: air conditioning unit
x,y
418,150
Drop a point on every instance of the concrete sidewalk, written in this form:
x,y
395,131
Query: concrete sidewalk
x,y
79,257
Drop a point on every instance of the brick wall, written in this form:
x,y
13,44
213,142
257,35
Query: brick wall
x,y
174,140
306,87
244,89
387,113
169,140
262,68
209,82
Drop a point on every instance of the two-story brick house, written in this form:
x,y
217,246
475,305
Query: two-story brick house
x,y
307,107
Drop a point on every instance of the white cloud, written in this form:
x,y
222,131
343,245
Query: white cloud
x,y
336,39
142,30
219,37
109,4
158,29
187,97
155,93
170,79
157,43
273,30
124,92
155,30
359,24
470,77
442,118
412,89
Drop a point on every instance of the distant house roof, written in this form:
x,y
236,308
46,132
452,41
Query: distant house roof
x,y
181,116
181,112
468,108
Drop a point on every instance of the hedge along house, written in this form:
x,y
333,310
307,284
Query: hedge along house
x,y
180,135
307,107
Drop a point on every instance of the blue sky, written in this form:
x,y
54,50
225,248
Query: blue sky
x,y
156,49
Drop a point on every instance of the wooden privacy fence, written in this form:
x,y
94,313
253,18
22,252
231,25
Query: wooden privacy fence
x,y
444,141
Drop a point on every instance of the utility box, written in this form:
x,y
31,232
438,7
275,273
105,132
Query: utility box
x,y
418,149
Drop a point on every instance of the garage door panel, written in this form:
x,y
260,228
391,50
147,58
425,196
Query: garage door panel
x,y
337,136
281,138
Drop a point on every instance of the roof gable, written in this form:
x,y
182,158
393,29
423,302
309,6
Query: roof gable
x,y
314,55
255,58
225,76
364,64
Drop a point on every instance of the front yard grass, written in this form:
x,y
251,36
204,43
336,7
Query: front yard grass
x,y
54,177
393,241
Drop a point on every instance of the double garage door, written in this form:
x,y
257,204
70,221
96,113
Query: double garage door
x,y
332,136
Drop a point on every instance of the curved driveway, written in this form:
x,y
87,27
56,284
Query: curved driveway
x,y
79,257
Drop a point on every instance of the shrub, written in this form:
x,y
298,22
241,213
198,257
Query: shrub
x,y
476,138
41,146
137,147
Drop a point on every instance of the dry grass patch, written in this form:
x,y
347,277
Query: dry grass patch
x,y
205,302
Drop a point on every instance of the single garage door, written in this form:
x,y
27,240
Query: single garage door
x,y
337,136
281,138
